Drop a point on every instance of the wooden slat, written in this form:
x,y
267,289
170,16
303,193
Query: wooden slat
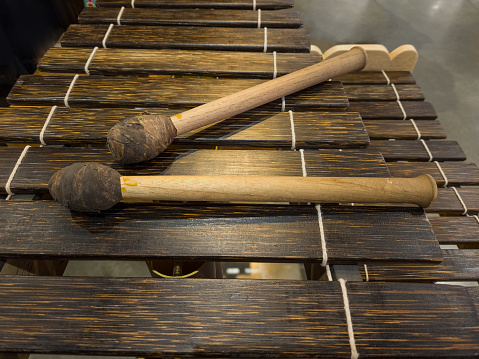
x,y
122,91
196,317
474,293
174,62
193,4
455,230
415,151
458,265
187,37
409,92
192,17
253,128
404,130
199,63
40,163
377,78
447,201
401,315
388,110
457,173
240,233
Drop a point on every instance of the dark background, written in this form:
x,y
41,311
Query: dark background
x,y
27,29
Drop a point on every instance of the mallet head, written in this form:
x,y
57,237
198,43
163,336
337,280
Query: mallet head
x,y
140,138
86,187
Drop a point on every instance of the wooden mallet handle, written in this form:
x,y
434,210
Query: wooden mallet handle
x,y
143,137
93,187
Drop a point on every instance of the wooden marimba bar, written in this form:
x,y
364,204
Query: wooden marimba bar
x,y
120,60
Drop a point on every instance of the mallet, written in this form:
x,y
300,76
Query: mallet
x,y
141,138
92,187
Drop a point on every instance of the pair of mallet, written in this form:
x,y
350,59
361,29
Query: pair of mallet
x,y
92,187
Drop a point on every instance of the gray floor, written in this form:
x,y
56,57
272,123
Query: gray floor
x,y
445,33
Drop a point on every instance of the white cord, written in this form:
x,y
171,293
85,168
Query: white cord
x,y
259,18
398,100
254,5
283,104
293,133
303,163
349,321
265,43
322,236
106,36
89,60
45,125
366,272
416,128
446,182
65,100
460,200
387,78
119,15
477,218
427,150
328,273
133,4
275,69
14,171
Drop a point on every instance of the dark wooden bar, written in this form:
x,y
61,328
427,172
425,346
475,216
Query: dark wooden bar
x,y
456,230
457,173
187,37
174,62
194,4
254,128
39,164
288,316
262,233
192,17
458,265
119,91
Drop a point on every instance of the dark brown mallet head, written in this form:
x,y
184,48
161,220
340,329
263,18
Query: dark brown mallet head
x,y
140,138
143,137
86,187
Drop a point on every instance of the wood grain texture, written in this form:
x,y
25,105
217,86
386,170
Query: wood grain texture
x,y
458,265
187,37
40,163
377,78
401,315
217,232
252,128
457,173
455,230
373,92
119,91
404,130
122,91
174,62
389,110
198,63
448,203
193,17
248,318
193,4
402,150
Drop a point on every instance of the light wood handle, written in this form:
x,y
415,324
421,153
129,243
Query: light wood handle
x,y
225,107
421,190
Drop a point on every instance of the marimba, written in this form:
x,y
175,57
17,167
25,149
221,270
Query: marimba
x,y
372,270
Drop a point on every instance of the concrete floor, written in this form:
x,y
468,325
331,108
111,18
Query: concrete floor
x,y
445,33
